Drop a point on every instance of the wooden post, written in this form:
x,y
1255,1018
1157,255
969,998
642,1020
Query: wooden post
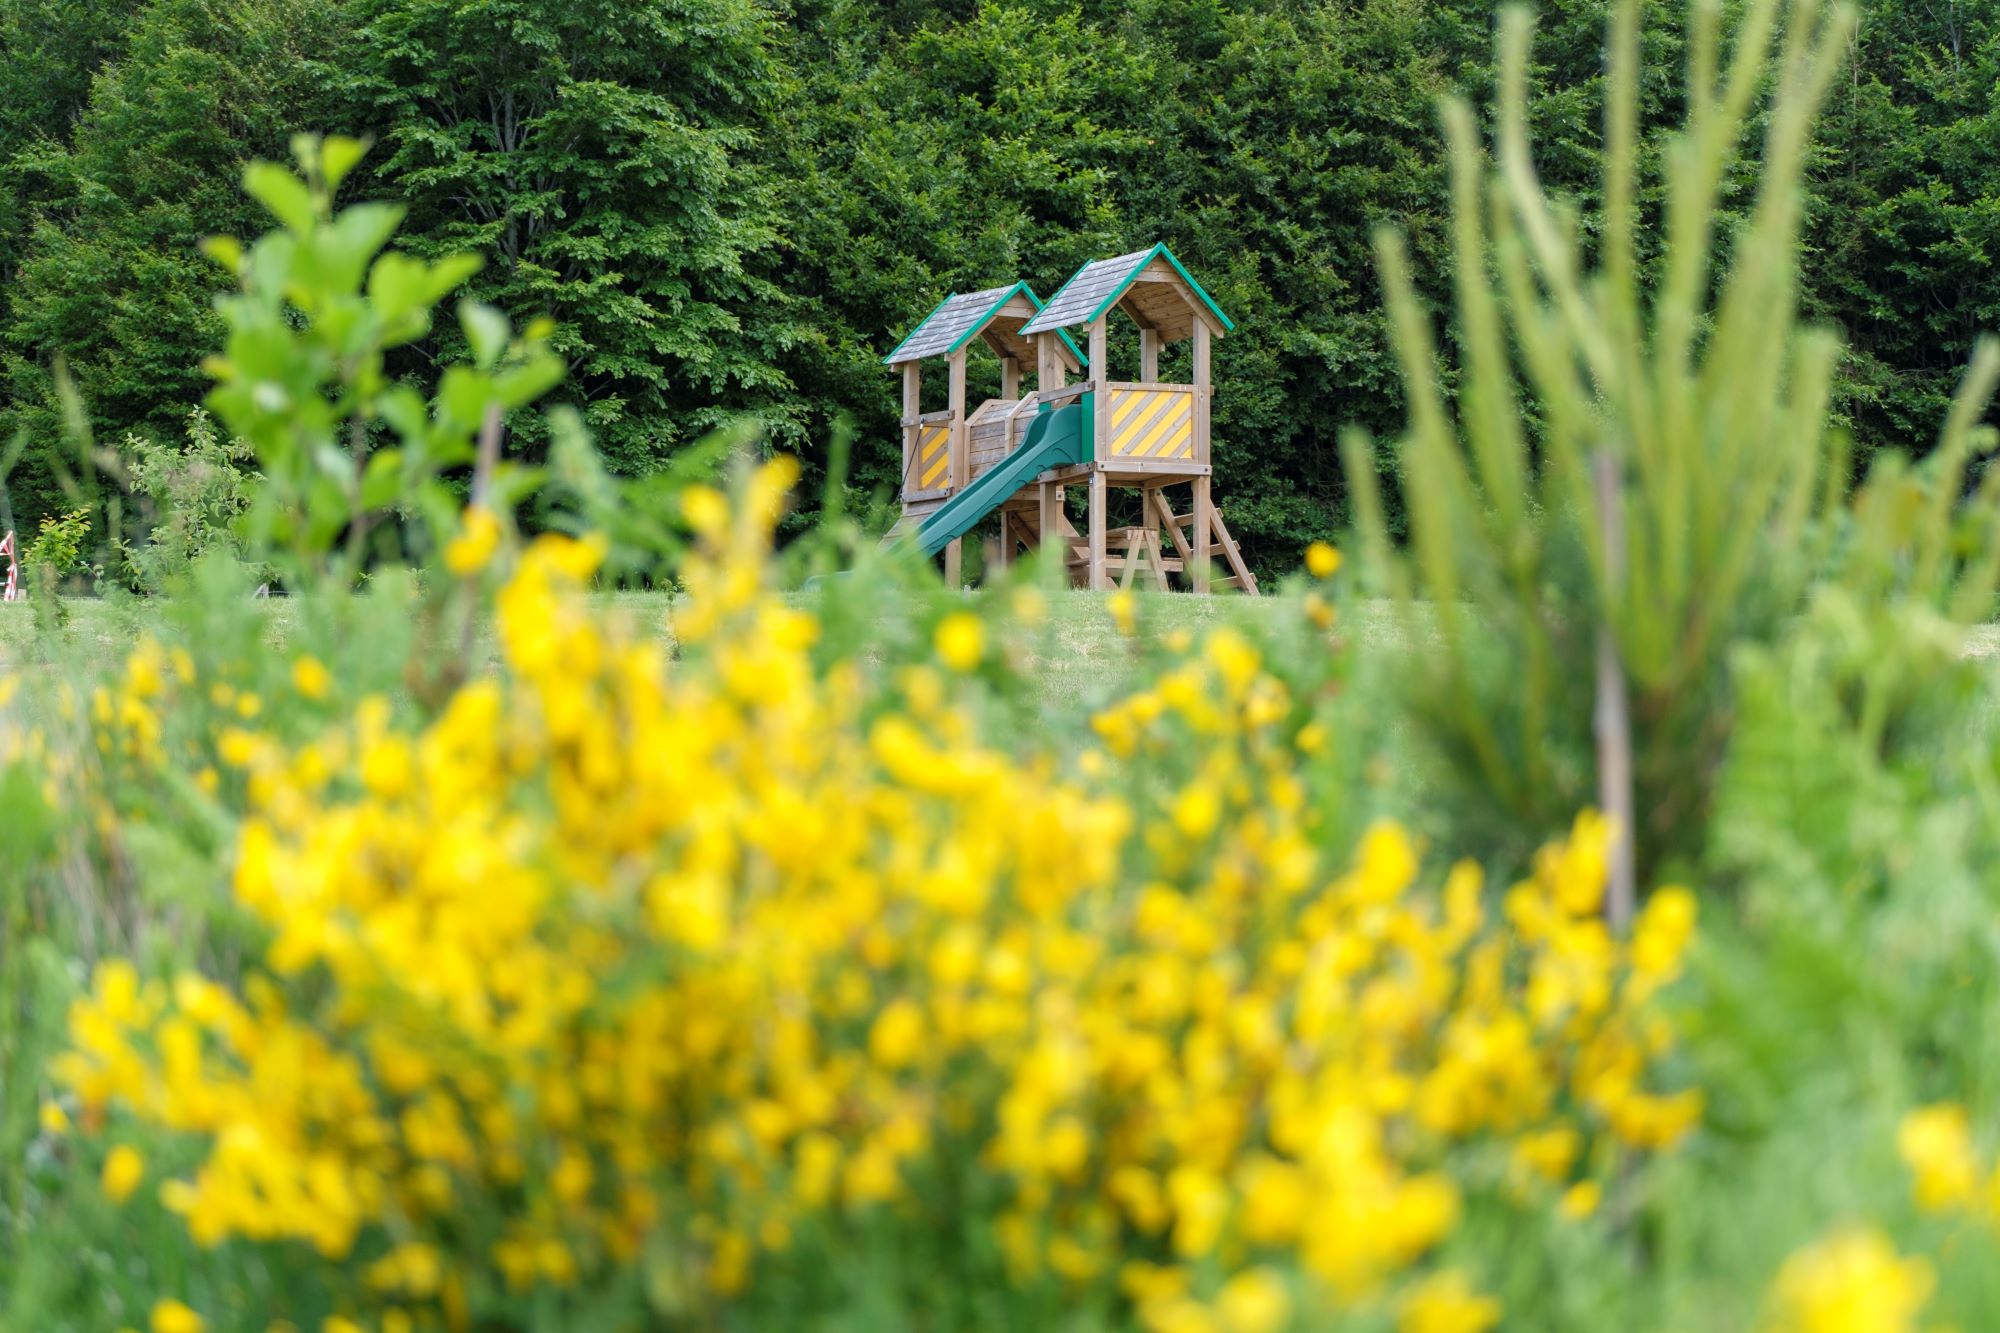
x,y
1049,369
1202,392
1097,581
1100,397
1100,418
913,382
1204,508
1204,519
961,461
1149,356
1049,501
1611,719
1010,378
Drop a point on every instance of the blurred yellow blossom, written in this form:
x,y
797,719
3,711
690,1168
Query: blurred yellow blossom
x,y
1850,1282
123,1170
1322,560
472,549
1936,1144
961,640
1446,1303
170,1316
311,678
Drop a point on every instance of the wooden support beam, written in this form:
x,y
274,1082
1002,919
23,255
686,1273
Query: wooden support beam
x,y
1129,567
1099,502
1100,400
1160,505
1050,369
913,383
1204,518
1048,503
1203,392
1010,378
1062,393
1149,355
1204,507
1243,578
961,459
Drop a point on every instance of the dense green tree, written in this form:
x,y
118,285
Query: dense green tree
x,y
1905,231
602,156
111,277
736,206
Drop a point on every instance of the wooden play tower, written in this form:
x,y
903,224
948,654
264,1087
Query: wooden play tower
x,y
1018,454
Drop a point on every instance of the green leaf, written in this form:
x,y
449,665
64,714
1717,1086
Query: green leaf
x,y
382,481
520,385
283,193
485,330
447,273
364,229
226,251
338,156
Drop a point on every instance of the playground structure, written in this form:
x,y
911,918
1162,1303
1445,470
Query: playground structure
x,y
10,587
1018,454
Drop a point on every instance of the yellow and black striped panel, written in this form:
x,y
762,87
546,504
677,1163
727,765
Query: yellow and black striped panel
x,y
933,467
1152,423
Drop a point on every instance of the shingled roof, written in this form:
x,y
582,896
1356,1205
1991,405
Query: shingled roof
x,y
961,317
1097,286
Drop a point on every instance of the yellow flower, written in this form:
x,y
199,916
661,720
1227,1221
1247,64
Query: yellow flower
x,y
170,1316
478,538
1446,1303
1936,1144
898,1034
123,1170
1581,1199
961,640
705,509
1256,1301
1124,608
1851,1282
54,1119
311,678
1322,560
1662,933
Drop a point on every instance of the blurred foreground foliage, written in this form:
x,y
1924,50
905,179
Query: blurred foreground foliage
x,y
448,952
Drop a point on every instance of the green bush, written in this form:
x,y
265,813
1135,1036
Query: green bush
x,y
199,493
1649,473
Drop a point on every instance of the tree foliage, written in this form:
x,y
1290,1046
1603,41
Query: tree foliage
x,y
733,207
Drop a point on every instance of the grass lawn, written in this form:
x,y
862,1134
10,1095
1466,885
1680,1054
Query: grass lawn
x,y
1080,655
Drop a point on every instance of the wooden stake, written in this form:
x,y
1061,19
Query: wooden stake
x,y
1612,717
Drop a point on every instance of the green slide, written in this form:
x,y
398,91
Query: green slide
x,y
1054,439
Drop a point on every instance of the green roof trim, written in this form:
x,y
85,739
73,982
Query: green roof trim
x,y
911,335
1100,284
1159,251
966,323
1025,290
992,310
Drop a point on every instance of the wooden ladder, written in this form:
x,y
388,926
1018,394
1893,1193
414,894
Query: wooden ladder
x,y
1240,576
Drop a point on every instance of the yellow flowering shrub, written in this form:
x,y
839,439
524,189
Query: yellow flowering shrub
x,y
699,968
